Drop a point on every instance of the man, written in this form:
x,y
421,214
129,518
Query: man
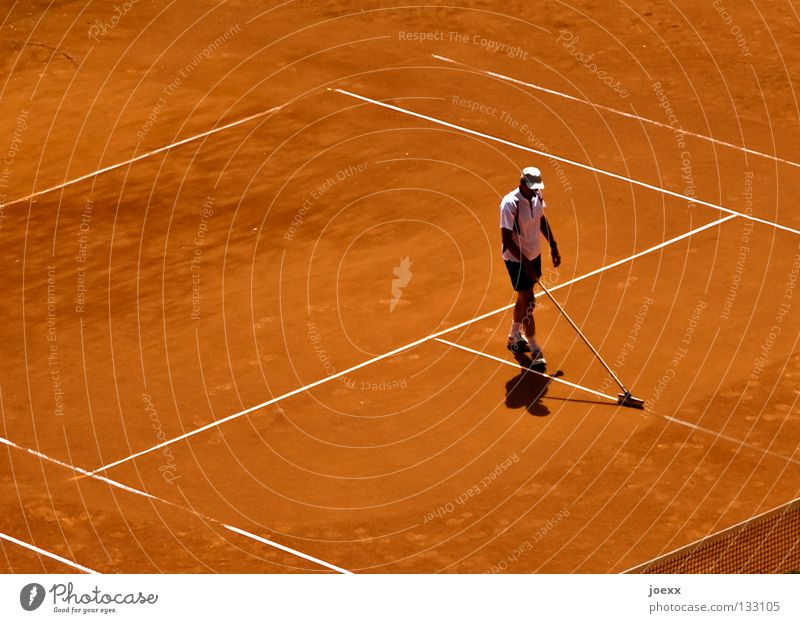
x,y
522,220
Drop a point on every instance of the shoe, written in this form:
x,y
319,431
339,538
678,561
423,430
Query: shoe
x,y
537,357
518,344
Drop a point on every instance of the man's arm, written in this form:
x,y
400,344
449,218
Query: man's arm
x,y
547,232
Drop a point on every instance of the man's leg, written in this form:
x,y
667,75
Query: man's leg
x,y
523,313
526,303
523,309
523,323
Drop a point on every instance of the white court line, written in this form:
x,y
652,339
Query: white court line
x,y
622,113
518,367
712,535
715,434
661,245
119,485
266,403
396,351
44,552
142,156
574,163
78,470
255,537
708,431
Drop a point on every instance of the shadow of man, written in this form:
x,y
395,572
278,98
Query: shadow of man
x,y
527,388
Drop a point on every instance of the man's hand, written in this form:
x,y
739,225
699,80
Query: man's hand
x,y
527,266
555,255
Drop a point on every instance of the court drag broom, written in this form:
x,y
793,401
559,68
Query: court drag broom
x,y
625,399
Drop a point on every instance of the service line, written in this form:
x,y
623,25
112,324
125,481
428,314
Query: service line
x,y
44,552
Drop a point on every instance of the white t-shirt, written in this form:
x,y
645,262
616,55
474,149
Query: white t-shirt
x,y
530,222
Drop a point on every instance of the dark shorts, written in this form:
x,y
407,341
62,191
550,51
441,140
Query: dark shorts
x,y
519,278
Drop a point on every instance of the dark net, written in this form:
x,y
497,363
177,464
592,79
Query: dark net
x,y
769,543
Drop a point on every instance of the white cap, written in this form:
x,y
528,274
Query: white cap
x,y
532,177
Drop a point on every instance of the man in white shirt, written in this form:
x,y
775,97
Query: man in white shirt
x,y
522,221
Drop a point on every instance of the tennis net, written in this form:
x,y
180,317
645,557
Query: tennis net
x,y
766,543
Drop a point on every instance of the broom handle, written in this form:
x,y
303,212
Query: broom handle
x,y
583,337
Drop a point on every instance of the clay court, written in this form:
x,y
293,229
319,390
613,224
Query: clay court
x,y
255,313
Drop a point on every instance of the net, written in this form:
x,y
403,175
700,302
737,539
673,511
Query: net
x,y
767,543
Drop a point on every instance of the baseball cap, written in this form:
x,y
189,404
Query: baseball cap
x,y
532,178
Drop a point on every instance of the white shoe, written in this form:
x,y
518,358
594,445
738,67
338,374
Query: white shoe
x,y
537,357
518,344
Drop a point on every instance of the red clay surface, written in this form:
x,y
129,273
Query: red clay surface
x,y
219,274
